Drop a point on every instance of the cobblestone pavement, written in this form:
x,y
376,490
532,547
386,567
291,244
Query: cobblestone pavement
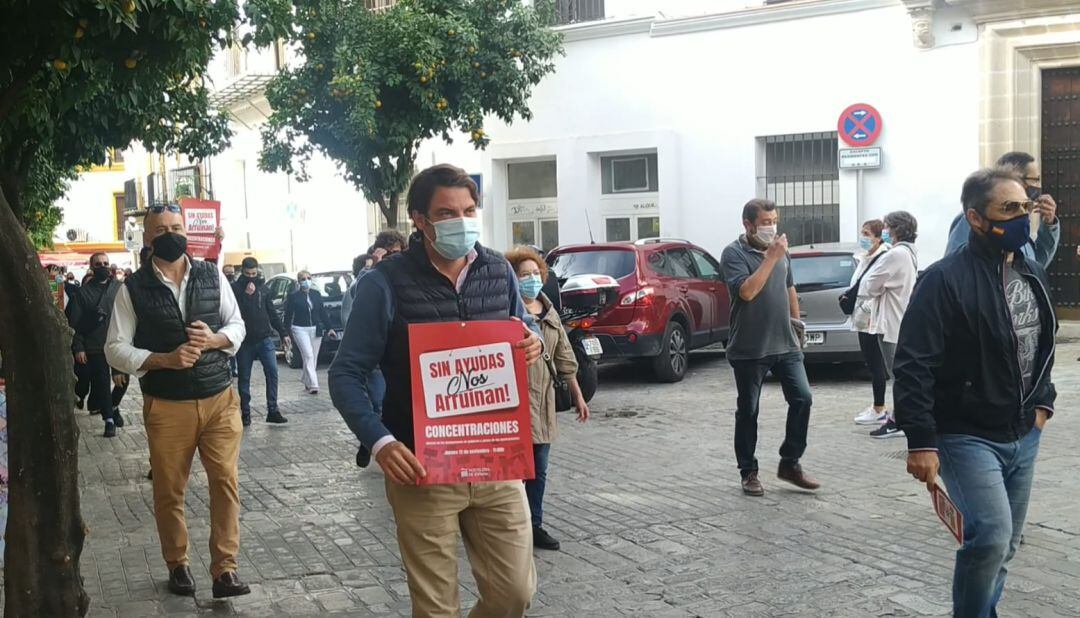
x,y
645,499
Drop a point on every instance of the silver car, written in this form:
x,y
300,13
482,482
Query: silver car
x,y
821,274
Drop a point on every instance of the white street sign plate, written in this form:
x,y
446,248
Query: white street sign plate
x,y
860,158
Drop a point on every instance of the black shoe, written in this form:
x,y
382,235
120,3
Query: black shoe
x,y
886,431
110,429
363,457
751,485
118,418
181,582
229,585
246,420
79,401
543,540
276,417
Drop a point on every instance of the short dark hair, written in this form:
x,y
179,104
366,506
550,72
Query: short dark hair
x,y
249,262
389,238
902,226
754,207
980,185
359,262
95,254
1017,159
425,184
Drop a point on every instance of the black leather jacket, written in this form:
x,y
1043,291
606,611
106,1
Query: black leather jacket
x,y
957,369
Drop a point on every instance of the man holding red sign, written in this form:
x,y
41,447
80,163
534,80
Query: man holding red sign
x,y
446,276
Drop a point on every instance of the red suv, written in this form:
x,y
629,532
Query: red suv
x,y
671,300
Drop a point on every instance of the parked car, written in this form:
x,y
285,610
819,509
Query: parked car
x,y
821,274
671,299
332,285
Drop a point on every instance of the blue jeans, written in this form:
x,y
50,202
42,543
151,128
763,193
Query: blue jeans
x,y
534,488
990,483
749,375
263,350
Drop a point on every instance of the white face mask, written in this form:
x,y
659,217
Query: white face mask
x,y
766,233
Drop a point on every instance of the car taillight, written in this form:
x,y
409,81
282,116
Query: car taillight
x,y
639,297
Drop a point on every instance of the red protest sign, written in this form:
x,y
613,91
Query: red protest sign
x,y
470,396
202,218
947,512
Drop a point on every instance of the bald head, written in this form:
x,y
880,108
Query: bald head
x,y
158,223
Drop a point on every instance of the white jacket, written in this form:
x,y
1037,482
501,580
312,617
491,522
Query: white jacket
x,y
887,286
860,316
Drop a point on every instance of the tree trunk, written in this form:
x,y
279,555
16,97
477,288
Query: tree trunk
x,y
388,206
45,529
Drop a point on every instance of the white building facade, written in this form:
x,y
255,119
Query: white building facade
x,y
665,116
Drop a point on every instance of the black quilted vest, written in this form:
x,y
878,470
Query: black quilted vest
x,y
423,294
161,328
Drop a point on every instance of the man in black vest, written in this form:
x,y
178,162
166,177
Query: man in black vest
x,y
445,275
88,315
174,325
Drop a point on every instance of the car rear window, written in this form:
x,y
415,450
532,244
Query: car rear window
x,y
331,285
822,272
611,262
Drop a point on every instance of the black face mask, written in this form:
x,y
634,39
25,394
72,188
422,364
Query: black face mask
x,y
1033,193
244,280
170,246
101,274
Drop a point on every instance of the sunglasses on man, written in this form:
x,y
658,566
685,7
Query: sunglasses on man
x,y
157,209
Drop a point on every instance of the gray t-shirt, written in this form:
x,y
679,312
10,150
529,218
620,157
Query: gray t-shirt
x,y
761,327
1024,309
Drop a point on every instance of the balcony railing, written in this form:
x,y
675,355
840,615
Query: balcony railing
x,y
576,11
379,6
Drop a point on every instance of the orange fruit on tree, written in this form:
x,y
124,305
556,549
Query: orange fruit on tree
x,y
79,33
378,104
60,65
131,63
129,7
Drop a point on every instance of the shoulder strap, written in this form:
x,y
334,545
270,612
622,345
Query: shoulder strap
x,y
868,267
109,294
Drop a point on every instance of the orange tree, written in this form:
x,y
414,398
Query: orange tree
x,y
370,86
76,77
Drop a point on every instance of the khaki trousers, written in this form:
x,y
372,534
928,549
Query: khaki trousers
x,y
494,521
175,429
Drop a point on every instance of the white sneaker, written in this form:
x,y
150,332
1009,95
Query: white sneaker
x,y
870,416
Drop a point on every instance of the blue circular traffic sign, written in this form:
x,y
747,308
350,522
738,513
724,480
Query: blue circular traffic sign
x,y
859,125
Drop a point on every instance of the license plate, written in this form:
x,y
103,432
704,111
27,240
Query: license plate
x,y
592,346
815,338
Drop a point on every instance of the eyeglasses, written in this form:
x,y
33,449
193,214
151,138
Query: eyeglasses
x,y
1032,179
1017,207
157,209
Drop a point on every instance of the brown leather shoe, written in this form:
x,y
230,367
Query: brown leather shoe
x,y
793,473
751,485
181,582
228,584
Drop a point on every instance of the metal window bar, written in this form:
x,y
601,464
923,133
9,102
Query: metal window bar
x,y
576,11
800,174
379,6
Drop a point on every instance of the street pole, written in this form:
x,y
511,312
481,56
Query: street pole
x,y
859,206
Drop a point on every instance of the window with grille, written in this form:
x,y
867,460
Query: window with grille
x,y
629,174
379,5
799,172
574,11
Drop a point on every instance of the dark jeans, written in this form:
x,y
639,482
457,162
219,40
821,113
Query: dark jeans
x,y
82,386
749,375
990,482
263,350
875,360
534,488
99,384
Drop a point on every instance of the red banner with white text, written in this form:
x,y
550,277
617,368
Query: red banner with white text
x,y
470,396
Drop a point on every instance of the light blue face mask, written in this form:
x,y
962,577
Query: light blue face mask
x,y
886,237
305,284
865,243
455,238
530,286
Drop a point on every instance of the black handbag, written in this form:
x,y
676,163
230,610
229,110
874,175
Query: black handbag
x,y
848,298
563,400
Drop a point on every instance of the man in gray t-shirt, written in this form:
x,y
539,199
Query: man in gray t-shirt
x,y
764,319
